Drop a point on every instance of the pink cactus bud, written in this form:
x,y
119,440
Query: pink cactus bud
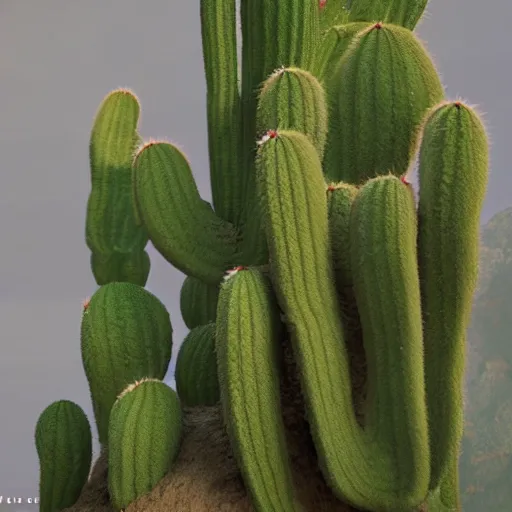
x,y
322,3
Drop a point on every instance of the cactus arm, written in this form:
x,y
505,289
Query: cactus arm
x,y
196,368
293,99
181,226
144,437
132,267
453,172
64,447
198,302
126,334
248,337
110,223
333,45
366,468
274,34
386,83
218,29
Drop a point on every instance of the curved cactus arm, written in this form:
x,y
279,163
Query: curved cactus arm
x,y
144,437
384,86
248,337
64,447
385,466
181,226
111,224
453,173
224,115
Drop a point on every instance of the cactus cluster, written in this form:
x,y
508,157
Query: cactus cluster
x,y
314,237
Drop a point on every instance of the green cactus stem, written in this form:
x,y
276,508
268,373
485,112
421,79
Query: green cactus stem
x,y
126,335
453,172
196,368
198,302
293,99
144,436
399,12
181,226
132,267
334,44
248,337
375,468
224,114
386,84
111,224
64,447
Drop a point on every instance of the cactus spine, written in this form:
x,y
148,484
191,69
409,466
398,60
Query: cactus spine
x,y
144,433
313,211
64,446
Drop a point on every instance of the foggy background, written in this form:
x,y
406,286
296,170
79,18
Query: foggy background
x,y
58,59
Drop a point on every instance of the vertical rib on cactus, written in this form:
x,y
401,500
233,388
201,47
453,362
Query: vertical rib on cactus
x,y
385,466
144,438
453,172
181,226
126,334
218,29
248,337
293,99
64,447
386,83
110,224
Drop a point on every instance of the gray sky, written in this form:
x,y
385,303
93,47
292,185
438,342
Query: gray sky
x,y
58,59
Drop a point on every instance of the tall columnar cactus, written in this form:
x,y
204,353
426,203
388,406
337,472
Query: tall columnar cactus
x,y
64,446
325,248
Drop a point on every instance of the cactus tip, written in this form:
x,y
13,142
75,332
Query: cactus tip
x,y
378,25
85,303
230,273
322,3
271,134
458,104
404,180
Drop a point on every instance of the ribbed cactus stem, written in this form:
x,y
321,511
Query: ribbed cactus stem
x,y
248,338
386,83
293,99
453,172
64,447
378,467
224,114
181,226
144,438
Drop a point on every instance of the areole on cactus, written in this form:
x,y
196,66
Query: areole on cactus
x,y
325,303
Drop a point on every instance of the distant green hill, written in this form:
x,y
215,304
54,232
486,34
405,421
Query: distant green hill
x,y
486,461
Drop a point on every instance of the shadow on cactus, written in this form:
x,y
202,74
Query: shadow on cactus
x,y
327,306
